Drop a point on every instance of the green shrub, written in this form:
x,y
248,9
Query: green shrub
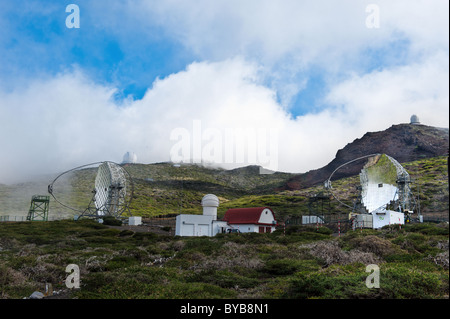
x,y
416,243
89,223
285,267
144,237
195,290
305,236
428,229
224,279
126,233
325,231
111,221
108,232
373,244
403,257
119,262
204,245
404,281
327,285
101,240
280,267
185,259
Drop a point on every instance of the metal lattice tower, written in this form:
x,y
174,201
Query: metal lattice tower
x,y
404,193
39,208
109,193
112,192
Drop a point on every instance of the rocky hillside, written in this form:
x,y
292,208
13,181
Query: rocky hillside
x,y
404,142
163,188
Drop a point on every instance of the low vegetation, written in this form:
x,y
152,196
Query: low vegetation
x,y
299,262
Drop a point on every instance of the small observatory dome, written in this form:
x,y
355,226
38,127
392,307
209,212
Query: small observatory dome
x,y
414,119
210,200
129,158
210,203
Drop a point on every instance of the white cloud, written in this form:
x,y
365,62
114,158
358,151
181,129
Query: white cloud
x,y
389,96
304,31
66,121
251,54
53,123
291,38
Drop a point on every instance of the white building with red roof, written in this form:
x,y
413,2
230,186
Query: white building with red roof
x,y
243,220
251,220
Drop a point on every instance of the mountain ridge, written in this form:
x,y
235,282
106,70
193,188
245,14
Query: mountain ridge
x,y
404,142
162,188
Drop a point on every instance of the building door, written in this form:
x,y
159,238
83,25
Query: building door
x,y
202,230
187,230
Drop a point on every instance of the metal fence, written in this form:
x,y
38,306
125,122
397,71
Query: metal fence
x,y
7,218
17,218
160,221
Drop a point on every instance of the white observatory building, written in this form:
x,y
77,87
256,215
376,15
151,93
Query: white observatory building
x,y
210,203
244,220
201,225
414,119
129,158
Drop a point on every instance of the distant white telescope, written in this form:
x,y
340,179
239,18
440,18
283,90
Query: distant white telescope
x,y
414,119
129,158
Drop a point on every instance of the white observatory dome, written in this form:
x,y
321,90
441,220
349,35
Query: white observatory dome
x,y
210,200
210,203
129,158
414,119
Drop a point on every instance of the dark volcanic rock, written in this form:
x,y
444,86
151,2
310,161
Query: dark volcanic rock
x,y
404,142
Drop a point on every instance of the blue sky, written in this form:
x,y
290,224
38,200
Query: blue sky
x,y
308,65
39,43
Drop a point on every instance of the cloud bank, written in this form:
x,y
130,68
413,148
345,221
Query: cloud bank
x,y
60,123
254,60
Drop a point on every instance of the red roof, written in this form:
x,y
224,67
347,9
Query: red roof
x,y
245,215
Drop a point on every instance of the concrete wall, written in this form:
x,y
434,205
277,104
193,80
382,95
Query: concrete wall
x,y
135,221
388,218
266,217
251,228
311,219
194,225
219,226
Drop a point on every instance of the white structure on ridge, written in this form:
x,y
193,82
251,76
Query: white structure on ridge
x,y
129,158
210,203
414,119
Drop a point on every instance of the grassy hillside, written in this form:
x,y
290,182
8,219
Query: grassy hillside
x,y
164,189
303,263
300,263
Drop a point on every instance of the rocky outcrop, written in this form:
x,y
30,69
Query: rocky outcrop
x,y
404,142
